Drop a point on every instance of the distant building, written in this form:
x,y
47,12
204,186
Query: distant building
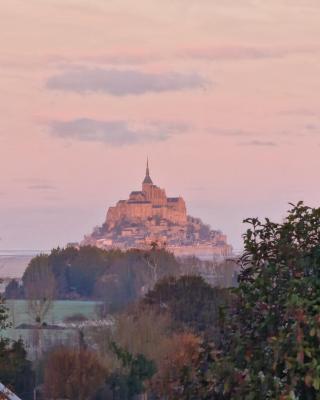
x,y
148,216
75,245
150,202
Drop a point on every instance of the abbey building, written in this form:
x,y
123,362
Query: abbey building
x,y
149,202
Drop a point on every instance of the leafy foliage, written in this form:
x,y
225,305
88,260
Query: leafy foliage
x,y
72,373
191,302
137,370
180,358
130,276
3,316
39,287
271,346
115,277
15,370
13,290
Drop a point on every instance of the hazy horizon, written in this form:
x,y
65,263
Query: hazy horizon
x,y
222,97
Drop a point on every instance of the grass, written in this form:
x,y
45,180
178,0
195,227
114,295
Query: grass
x,y
18,314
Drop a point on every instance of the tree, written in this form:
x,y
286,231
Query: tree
x,y
74,374
3,317
271,347
39,288
160,264
130,275
39,285
191,302
181,355
15,370
60,261
14,290
136,370
113,276
85,269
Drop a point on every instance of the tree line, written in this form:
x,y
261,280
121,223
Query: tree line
x,y
89,273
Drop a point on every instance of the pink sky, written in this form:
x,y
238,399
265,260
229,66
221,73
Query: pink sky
x,y
222,95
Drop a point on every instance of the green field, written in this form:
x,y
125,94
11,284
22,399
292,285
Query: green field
x,y
18,314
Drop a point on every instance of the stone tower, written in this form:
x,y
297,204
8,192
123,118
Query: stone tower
x,y
152,192
147,182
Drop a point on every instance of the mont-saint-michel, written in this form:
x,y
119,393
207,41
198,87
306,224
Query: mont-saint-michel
x,y
148,216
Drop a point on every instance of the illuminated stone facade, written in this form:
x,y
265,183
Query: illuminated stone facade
x,y
150,202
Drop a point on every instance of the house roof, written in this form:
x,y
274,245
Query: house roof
x,y
137,192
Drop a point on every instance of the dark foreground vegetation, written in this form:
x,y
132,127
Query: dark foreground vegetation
x,y
180,337
90,272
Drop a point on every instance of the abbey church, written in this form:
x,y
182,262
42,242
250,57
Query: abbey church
x,y
150,202
149,216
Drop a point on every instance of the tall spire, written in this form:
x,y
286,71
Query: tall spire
x,y
147,178
147,169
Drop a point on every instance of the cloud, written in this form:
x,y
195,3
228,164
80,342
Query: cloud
x,y
123,58
258,143
236,52
115,133
41,187
312,127
228,132
115,58
299,112
118,82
